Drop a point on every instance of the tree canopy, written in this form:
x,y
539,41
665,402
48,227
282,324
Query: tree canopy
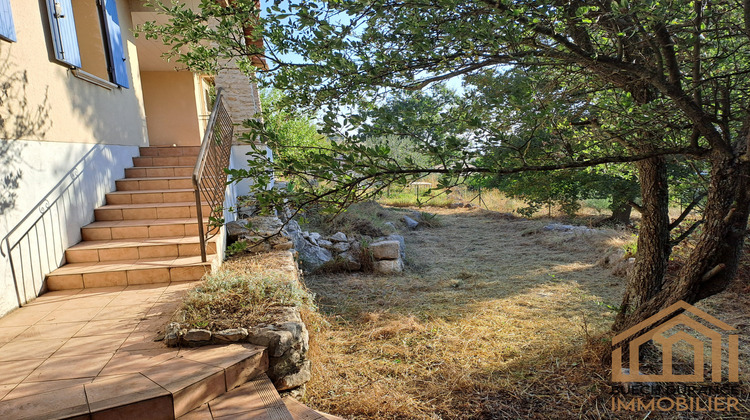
x,y
649,83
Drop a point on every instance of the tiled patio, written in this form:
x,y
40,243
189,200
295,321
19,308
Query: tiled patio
x,y
71,337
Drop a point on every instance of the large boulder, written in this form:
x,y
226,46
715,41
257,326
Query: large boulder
x,y
311,256
338,237
235,230
385,250
388,266
410,223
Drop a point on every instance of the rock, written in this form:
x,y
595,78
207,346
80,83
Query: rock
x,y
385,250
306,235
559,227
410,223
311,256
283,247
455,205
197,334
390,225
338,237
235,230
231,335
325,243
278,342
340,247
388,266
401,244
416,215
352,262
173,334
314,236
296,379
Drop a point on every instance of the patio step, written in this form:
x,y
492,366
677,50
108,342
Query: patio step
x,y
127,272
165,390
146,228
154,183
177,195
134,249
145,161
256,399
145,211
300,411
159,171
170,151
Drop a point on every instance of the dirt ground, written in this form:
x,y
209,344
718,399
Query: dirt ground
x,y
494,318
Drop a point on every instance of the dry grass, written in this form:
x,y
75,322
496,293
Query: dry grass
x,y
241,292
488,322
485,324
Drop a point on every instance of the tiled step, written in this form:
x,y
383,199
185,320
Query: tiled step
x,y
165,390
170,151
300,411
112,212
159,171
151,196
133,249
141,229
256,399
127,272
154,183
146,161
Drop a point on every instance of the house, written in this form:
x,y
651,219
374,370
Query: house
x,y
83,100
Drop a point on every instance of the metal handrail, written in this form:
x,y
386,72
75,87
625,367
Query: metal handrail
x,y
209,178
37,256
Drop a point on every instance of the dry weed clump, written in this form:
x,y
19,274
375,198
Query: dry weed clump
x,y
241,292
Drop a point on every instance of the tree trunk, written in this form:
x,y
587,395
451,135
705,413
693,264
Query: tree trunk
x,y
621,209
714,260
654,247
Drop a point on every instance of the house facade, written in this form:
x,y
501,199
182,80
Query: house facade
x,y
80,96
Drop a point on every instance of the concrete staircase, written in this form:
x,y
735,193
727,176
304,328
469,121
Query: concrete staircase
x,y
146,233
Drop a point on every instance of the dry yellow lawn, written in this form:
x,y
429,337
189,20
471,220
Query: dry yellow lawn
x,y
488,321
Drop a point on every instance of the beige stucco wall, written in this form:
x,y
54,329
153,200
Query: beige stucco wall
x,y
171,108
44,101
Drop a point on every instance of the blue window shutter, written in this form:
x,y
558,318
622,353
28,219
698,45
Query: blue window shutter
x,y
7,29
63,28
116,46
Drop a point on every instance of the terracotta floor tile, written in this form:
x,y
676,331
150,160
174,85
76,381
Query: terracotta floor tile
x,y
158,288
123,312
124,362
240,400
30,349
178,373
16,371
221,356
200,413
130,299
69,367
5,389
107,327
102,290
143,341
25,389
28,315
88,301
55,297
48,331
70,315
129,394
166,308
62,403
153,324
91,345
9,333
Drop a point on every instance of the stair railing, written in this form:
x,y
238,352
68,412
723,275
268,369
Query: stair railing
x,y
36,245
209,178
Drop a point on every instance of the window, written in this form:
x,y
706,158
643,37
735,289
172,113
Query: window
x,y
7,29
86,35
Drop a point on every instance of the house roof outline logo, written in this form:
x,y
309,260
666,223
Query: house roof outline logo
x,y
667,344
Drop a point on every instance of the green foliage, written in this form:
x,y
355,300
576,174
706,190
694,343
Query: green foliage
x,y
236,248
296,133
